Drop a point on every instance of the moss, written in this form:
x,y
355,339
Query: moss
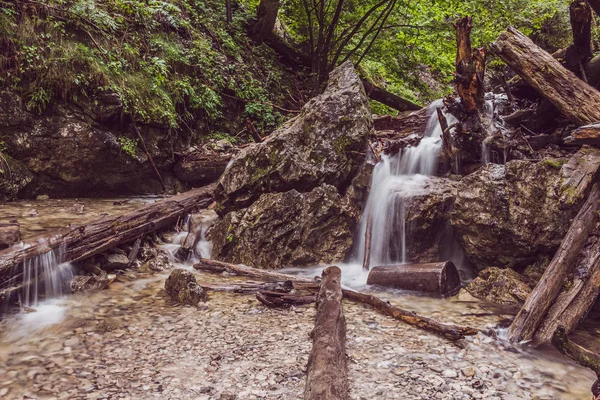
x,y
340,144
570,195
554,162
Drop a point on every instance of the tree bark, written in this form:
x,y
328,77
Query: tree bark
x,y
595,4
451,332
388,98
537,304
575,99
266,14
580,52
589,134
228,14
470,68
327,371
440,278
85,241
576,298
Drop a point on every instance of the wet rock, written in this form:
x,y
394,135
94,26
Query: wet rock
x,y
510,216
201,167
500,286
324,144
83,283
158,263
288,229
76,208
114,261
182,287
30,213
14,176
10,233
42,197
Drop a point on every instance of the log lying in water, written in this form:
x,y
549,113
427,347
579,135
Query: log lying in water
x,y
588,134
574,98
440,278
327,371
535,308
85,241
452,332
579,354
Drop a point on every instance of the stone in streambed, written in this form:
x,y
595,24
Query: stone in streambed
x,y
500,286
182,287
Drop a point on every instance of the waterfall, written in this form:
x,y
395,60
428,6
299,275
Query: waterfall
x,y
395,180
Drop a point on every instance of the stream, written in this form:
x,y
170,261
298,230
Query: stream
x,y
130,341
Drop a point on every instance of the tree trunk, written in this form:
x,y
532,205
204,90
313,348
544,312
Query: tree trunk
x,y
451,332
580,52
85,241
595,4
589,134
440,278
388,98
228,14
575,99
582,356
368,232
470,68
327,371
266,17
533,311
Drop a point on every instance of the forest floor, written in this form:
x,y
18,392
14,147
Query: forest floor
x,y
132,342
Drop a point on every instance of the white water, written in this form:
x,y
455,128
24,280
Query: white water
x,y
395,180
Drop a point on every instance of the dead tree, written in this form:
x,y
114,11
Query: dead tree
x,y
575,99
84,241
327,371
448,331
470,68
535,308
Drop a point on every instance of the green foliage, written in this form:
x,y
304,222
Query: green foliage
x,y
171,62
128,145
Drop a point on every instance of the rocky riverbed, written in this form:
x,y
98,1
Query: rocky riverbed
x,y
131,341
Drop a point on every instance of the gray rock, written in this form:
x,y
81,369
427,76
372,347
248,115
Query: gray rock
x,y
158,263
114,261
324,144
500,286
182,287
512,215
83,283
288,229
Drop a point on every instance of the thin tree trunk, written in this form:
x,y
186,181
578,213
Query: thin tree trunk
x,y
368,232
228,16
533,311
327,371
580,52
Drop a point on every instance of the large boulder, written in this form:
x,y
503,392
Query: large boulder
x,y
511,215
288,229
181,286
295,199
500,286
324,144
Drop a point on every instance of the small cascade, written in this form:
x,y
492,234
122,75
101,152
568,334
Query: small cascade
x,y
492,126
203,247
396,180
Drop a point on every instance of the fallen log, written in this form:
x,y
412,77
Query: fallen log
x,y
537,304
577,297
580,355
327,370
452,332
440,278
575,99
588,134
283,300
389,99
81,242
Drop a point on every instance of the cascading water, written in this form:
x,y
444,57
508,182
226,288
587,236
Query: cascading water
x,y
395,180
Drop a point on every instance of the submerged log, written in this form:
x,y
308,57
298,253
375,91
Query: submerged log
x,y
440,278
580,355
575,99
537,304
588,134
452,332
327,370
84,241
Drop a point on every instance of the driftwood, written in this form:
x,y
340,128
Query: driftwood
x,y
576,298
574,98
10,233
537,304
327,370
579,354
588,134
452,332
135,249
440,278
84,241
283,300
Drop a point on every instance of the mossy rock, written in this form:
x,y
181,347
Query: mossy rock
x,y
181,286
